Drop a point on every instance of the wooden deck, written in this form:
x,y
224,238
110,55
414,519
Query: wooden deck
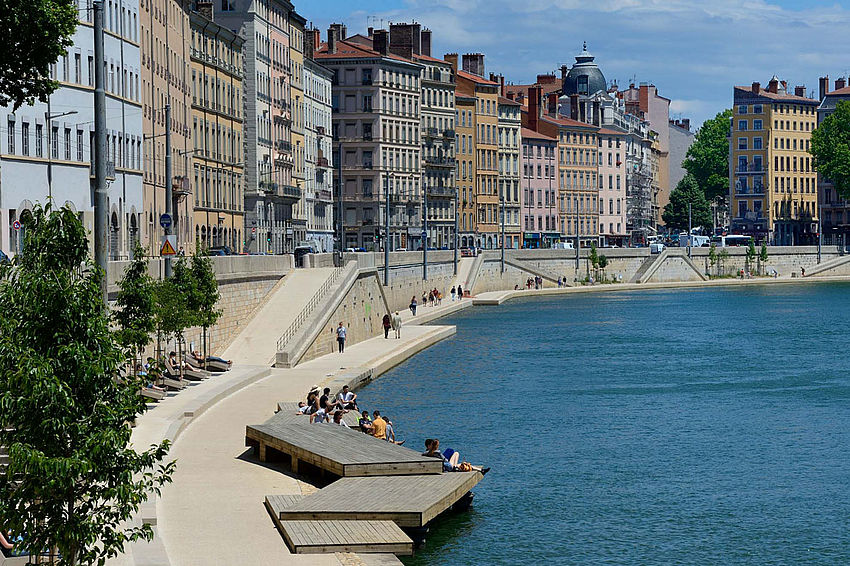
x,y
338,450
319,537
287,413
408,501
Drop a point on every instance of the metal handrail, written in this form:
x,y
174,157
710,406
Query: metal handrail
x,y
308,309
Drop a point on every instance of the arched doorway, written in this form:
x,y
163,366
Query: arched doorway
x,y
114,251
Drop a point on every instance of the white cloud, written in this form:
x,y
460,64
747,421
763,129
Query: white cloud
x,y
693,50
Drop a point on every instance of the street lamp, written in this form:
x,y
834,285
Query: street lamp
x,y
48,118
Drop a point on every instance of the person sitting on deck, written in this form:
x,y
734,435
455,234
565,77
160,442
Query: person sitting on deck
x,y
379,426
313,394
325,402
319,417
346,399
200,357
338,419
365,423
391,433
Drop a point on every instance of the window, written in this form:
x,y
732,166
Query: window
x,y
78,68
39,132
79,145
11,148
757,109
25,139
757,143
757,125
742,109
742,125
54,142
742,143
68,144
91,70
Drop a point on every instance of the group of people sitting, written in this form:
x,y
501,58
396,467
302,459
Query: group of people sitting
x,y
321,408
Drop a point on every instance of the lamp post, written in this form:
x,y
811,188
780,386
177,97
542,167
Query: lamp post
x,y
48,119
457,190
424,232
502,208
387,233
100,195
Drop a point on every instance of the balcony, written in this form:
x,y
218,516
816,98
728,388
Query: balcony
x,y
320,130
431,133
283,117
750,168
288,192
754,190
367,222
180,186
322,162
441,192
449,134
324,195
283,146
431,161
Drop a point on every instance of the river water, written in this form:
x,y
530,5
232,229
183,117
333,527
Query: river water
x,y
703,426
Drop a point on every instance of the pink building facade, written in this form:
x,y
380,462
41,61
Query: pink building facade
x,y
612,188
539,181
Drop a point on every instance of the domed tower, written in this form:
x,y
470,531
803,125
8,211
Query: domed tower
x,y
584,77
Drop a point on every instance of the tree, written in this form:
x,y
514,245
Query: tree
x,y
675,213
603,263
205,293
37,33
751,254
594,259
135,307
763,256
72,481
707,160
831,148
173,313
712,255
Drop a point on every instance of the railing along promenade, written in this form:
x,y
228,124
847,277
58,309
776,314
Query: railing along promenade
x,y
308,308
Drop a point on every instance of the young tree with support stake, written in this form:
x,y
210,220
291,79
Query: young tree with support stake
x,y
205,293
173,311
72,481
135,307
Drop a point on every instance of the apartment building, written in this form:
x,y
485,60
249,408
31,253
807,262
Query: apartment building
x,y
510,140
166,80
772,180
612,188
318,167
376,133
217,133
296,102
466,165
270,191
47,147
539,189
835,210
471,82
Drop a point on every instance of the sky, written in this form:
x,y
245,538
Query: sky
x,y
693,51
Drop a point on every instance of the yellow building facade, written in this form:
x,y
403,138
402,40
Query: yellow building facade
x,y
296,102
772,180
466,165
217,134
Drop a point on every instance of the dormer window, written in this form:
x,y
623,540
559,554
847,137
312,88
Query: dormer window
x,y
582,84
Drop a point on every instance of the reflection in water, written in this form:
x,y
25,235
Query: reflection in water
x,y
700,426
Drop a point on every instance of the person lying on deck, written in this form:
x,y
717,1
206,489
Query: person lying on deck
x,y
303,408
450,458
200,357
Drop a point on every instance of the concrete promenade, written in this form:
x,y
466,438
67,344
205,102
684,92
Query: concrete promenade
x,y
213,511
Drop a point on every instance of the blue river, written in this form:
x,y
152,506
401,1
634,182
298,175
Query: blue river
x,y
699,426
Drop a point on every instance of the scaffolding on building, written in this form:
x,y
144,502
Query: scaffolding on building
x,y
641,209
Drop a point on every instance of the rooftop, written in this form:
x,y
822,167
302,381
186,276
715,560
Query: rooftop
x,y
531,134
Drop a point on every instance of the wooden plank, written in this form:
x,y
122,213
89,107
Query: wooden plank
x,y
320,537
276,503
338,450
409,501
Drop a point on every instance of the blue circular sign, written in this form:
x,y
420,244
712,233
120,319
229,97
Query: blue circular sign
x,y
165,220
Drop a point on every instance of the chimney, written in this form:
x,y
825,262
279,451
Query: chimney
x,y
206,10
756,88
332,39
533,107
686,124
574,106
800,90
341,31
311,42
596,119
564,71
426,42
823,87
552,98
502,85
509,95
784,86
405,39
451,58
381,41
840,82
369,31
547,79
474,63
773,86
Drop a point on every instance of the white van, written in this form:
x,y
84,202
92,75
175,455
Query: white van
x,y
563,246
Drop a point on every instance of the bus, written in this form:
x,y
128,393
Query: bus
x,y
732,241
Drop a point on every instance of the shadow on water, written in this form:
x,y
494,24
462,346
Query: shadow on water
x,y
444,535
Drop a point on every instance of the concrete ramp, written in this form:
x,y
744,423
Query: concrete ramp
x,y
643,272
256,344
464,267
835,266
533,269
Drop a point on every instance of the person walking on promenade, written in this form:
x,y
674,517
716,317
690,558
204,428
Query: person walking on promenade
x,y
341,331
454,293
459,292
413,305
387,324
396,322
802,271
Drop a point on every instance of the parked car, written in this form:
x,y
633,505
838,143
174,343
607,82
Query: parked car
x,y
467,252
220,250
656,248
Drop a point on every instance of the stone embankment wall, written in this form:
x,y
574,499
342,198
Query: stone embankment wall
x,y
243,283
361,311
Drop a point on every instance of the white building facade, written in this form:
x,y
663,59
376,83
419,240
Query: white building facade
x,y
318,167
46,148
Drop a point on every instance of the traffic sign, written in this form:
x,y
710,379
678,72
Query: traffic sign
x,y
16,225
169,246
424,234
165,220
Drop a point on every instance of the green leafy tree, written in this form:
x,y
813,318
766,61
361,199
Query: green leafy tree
x,y
675,213
751,254
173,313
831,148
135,304
763,256
722,256
712,255
72,481
35,34
594,255
707,160
205,293
603,263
